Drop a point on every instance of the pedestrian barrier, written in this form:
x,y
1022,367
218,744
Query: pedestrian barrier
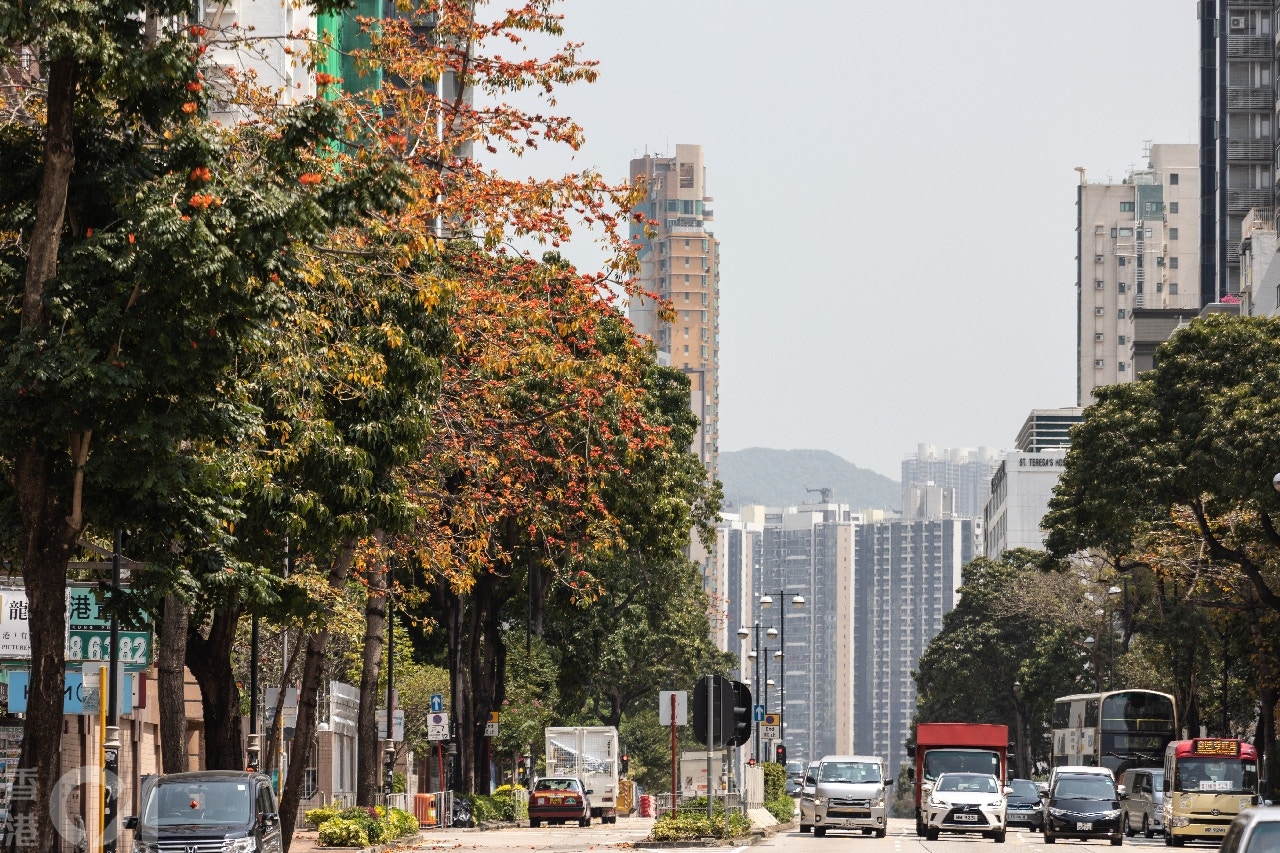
x,y
424,809
646,805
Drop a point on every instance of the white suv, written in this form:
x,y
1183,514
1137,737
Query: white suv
x,y
966,802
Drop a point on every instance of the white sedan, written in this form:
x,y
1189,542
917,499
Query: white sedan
x,y
966,802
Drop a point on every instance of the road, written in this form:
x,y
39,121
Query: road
x,y
629,834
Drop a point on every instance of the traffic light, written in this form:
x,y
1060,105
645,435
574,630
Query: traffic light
x,y
780,753
751,762
389,770
623,762
522,769
740,731
714,698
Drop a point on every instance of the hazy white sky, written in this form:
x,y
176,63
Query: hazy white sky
x,y
894,193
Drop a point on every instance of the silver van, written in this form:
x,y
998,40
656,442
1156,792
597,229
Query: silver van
x,y
849,792
1140,804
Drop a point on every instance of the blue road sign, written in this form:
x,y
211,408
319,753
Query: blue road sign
x,y
437,703
757,713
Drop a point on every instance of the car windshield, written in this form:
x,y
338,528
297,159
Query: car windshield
x,y
205,803
1265,837
1025,788
556,785
1085,788
1216,775
849,771
966,783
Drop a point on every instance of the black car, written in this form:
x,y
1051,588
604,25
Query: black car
x,y
1082,805
224,810
1023,805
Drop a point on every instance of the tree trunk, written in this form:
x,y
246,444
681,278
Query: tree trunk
x,y
170,659
368,758
305,729
210,662
50,529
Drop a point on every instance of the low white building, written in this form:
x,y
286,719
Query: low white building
x,y
1020,493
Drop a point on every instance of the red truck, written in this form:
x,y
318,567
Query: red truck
x,y
955,748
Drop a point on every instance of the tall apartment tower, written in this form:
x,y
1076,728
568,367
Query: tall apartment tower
x,y
807,551
680,262
1136,272
966,471
906,575
1237,133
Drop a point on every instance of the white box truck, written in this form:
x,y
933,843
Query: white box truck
x,y
591,754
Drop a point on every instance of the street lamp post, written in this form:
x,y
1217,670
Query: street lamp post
x,y
754,656
797,602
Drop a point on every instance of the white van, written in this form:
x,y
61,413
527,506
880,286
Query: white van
x,y
1142,801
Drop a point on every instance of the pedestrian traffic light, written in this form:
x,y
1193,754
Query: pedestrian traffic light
x,y
780,753
740,732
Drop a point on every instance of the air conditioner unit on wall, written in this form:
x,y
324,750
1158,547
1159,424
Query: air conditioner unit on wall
x,y
1237,23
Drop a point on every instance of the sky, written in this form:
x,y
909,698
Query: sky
x,y
894,193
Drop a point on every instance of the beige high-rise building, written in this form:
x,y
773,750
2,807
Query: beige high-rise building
x,y
1137,265
680,262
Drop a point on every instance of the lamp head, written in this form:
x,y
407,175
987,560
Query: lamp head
x,y
1275,482
743,633
771,633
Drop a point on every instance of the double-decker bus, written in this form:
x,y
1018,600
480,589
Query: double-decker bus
x,y
1117,729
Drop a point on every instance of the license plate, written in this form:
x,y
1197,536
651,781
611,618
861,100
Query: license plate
x,y
1084,827
972,817
1215,829
555,801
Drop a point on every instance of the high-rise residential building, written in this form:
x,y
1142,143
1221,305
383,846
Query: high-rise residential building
x,y
1136,274
1237,133
807,557
680,263
906,575
966,471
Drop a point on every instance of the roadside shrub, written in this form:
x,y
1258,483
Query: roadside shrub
x,y
689,825
775,780
341,832
318,817
782,808
368,819
398,823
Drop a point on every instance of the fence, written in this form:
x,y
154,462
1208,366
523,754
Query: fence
x,y
662,804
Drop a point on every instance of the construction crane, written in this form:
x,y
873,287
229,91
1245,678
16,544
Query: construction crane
x,y
827,493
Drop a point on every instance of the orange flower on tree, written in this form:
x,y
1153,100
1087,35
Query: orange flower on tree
x,y
309,178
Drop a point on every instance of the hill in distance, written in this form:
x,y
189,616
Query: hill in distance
x,y
759,475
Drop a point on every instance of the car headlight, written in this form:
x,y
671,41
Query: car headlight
x,y
941,804
1180,821
878,802
995,804
144,847
1059,812
1112,814
819,801
240,845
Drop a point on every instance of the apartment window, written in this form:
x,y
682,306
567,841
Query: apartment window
x,y
1099,312
1149,231
1159,262
686,257
704,316
1121,260
686,349
1099,284
1173,288
1120,287
1173,178
1097,362
1098,337
1173,263
1159,286
1099,229
704,299
704,352
1173,233
1173,207
686,331
1121,340
1115,232
686,296
1126,207
1120,314
1120,367
704,281
686,245
1097,259
1125,232
686,278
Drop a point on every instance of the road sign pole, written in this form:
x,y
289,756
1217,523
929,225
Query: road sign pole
x,y
711,735
675,773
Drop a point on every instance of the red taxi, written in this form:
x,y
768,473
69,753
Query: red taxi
x,y
557,800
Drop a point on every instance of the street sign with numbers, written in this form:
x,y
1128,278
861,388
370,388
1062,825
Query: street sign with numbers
x,y
94,645
437,732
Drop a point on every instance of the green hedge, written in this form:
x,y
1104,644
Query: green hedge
x,y
775,780
359,826
340,832
687,825
782,808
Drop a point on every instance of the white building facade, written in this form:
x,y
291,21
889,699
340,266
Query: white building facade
x,y
1020,493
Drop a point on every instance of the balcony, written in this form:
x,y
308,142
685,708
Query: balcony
x,y
1240,202
1251,98
1249,150
1250,47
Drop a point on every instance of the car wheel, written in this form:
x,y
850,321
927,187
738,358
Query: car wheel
x,y
819,832
534,823
1146,827
1128,825
882,831
998,836
804,828
919,826
1177,840
930,833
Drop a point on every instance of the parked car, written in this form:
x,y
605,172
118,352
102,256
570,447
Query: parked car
x,y
210,809
1082,805
966,802
1141,801
1023,807
795,777
1253,831
557,799
807,806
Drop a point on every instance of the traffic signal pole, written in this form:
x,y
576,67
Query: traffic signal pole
x,y
675,773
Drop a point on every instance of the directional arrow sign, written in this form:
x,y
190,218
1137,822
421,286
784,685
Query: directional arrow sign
x,y
757,713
